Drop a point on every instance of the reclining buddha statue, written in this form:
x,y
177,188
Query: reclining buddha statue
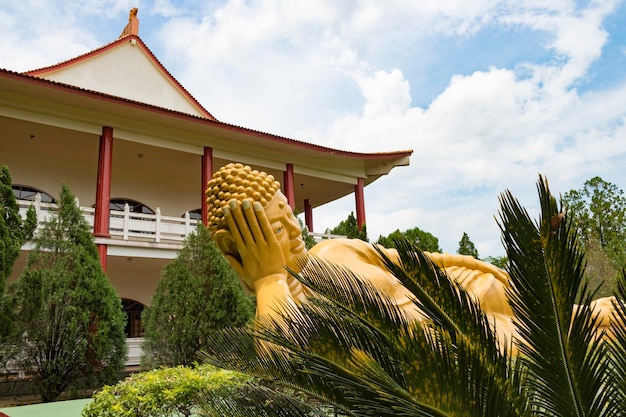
x,y
253,225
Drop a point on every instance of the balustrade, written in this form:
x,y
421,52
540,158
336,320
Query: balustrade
x,y
129,226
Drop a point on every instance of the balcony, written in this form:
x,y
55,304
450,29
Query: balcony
x,y
131,229
125,227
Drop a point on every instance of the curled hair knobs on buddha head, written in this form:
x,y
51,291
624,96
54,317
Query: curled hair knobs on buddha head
x,y
236,181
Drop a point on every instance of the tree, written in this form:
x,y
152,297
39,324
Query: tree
x,y
350,229
598,210
309,241
501,262
68,318
198,293
14,231
421,239
349,347
466,247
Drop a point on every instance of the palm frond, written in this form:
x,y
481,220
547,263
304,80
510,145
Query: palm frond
x,y
255,400
565,358
351,346
482,366
321,345
431,363
618,336
320,377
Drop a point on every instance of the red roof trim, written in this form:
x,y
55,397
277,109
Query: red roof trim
x,y
113,45
233,128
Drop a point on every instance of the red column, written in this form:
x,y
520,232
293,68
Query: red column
x,y
308,214
360,203
103,191
207,173
288,184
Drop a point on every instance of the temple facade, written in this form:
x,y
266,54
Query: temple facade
x,y
136,148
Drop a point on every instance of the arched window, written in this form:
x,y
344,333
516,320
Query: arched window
x,y
24,192
133,310
195,214
134,206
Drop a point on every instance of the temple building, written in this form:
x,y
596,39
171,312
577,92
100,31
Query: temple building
x,y
136,148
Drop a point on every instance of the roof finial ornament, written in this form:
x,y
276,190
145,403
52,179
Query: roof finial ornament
x,y
132,28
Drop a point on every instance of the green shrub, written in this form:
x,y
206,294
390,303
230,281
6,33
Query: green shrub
x,y
178,391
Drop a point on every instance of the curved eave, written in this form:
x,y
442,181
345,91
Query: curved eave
x,y
377,164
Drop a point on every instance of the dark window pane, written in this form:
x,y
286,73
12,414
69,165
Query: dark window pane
x,y
23,192
133,206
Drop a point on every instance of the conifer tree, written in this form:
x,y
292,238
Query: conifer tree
x,y
14,231
467,247
198,293
67,316
350,229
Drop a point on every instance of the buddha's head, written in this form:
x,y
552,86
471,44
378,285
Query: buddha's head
x,y
239,182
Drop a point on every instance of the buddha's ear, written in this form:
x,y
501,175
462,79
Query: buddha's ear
x,y
224,241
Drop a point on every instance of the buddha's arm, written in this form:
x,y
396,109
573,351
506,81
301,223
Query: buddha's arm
x,y
272,295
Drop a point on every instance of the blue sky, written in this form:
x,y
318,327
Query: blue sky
x,y
488,93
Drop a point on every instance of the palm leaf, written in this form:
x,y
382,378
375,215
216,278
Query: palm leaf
x,y
323,345
432,364
565,359
255,400
618,337
350,346
483,369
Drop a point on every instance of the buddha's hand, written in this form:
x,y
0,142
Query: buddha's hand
x,y
260,254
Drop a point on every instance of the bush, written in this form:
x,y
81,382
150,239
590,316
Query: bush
x,y
201,390
163,392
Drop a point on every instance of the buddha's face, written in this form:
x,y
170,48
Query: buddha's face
x,y
286,228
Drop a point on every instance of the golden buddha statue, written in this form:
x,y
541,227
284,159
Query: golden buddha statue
x,y
254,227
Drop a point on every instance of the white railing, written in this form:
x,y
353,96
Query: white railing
x,y
133,358
325,236
138,227
134,351
125,225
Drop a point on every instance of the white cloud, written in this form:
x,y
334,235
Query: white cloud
x,y
319,71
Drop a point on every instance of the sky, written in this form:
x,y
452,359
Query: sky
x,y
489,94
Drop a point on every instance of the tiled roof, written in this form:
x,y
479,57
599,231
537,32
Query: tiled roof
x,y
231,127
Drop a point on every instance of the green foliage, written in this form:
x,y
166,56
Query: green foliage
x,y
350,229
68,319
14,231
598,211
350,347
183,391
421,239
162,392
198,293
309,242
466,247
501,262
